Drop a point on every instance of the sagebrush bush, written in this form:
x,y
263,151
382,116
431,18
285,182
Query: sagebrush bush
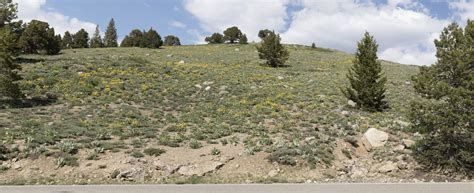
x,y
154,151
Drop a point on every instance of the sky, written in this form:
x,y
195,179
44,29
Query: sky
x,y
404,29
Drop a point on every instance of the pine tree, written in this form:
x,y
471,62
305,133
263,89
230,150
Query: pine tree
x,y
38,37
313,45
367,82
263,33
9,76
446,118
272,51
67,41
96,40
81,39
110,39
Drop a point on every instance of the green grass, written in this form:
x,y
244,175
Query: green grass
x,y
143,94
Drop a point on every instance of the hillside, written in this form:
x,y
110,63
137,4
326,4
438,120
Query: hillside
x,y
175,114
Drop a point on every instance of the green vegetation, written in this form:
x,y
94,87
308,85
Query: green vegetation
x,y
145,39
446,117
232,34
105,96
110,38
38,37
154,151
215,38
172,41
96,40
272,51
80,39
367,82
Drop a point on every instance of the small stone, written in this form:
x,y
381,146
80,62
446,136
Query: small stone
x,y
223,92
237,49
147,54
407,83
207,83
399,148
344,113
402,123
237,165
273,173
402,165
89,116
181,62
223,88
207,88
308,139
388,167
351,103
169,55
17,166
198,86
280,77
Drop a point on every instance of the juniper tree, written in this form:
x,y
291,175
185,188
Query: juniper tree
x,y
313,45
172,41
67,40
367,82
151,39
263,33
133,39
272,51
232,34
243,39
110,38
215,38
96,40
81,39
446,117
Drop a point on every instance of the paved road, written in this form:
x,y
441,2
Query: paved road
x,y
251,188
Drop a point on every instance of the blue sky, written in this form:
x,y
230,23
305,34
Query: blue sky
x,y
335,24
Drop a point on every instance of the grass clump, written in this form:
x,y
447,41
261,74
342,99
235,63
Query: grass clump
x,y
137,154
154,151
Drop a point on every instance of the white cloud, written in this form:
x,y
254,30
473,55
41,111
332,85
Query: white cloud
x,y
463,10
33,9
404,29
177,24
249,16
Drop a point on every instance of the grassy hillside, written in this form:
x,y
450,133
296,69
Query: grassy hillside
x,y
123,100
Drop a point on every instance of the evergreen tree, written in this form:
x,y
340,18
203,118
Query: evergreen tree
x,y
110,39
446,118
9,76
151,39
67,41
38,37
96,40
232,34
367,82
81,39
263,33
215,38
313,45
134,39
272,51
243,39
172,41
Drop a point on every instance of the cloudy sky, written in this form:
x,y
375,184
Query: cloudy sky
x,y
404,29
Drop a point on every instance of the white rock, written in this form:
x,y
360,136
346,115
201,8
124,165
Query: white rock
x,y
208,83
200,169
280,77
237,49
351,103
169,55
181,62
402,123
344,113
198,86
408,143
273,173
374,138
208,88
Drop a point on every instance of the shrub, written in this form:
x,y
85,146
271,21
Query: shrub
x,y
195,144
367,82
67,160
154,151
284,156
272,51
137,154
67,147
446,117
215,151
243,39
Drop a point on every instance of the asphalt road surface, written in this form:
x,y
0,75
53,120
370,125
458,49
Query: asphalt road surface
x,y
250,188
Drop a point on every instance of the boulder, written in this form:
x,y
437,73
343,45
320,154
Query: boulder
x,y
374,138
200,169
351,103
273,173
408,143
133,174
